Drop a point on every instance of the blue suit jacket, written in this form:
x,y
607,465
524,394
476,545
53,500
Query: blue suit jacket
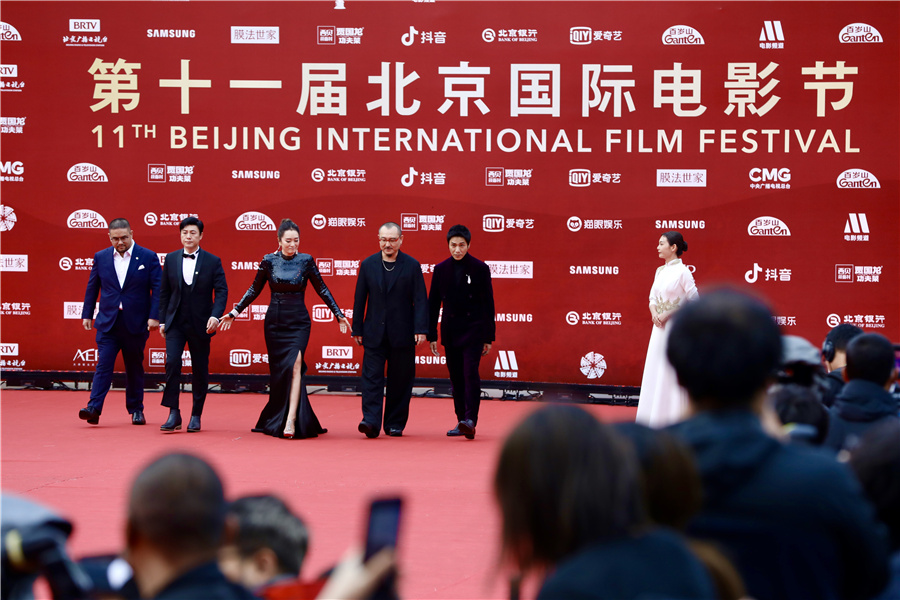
x,y
139,296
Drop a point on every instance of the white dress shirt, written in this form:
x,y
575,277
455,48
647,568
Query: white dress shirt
x,y
120,262
188,266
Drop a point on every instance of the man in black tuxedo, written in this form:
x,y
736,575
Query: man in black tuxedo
x,y
191,301
462,283
390,318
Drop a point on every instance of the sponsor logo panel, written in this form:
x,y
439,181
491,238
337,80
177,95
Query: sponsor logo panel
x,y
776,274
768,226
12,124
857,273
506,366
857,228
13,263
860,33
7,217
860,320
86,219
574,317
771,36
509,269
593,365
8,33
682,35
254,221
681,178
86,173
15,309
254,35
12,170
857,179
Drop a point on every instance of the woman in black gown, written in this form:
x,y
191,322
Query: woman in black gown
x,y
288,412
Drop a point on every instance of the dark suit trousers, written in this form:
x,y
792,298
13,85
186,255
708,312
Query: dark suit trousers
x,y
463,364
198,344
109,343
401,369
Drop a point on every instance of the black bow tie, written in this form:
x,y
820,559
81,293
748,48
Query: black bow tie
x,y
190,256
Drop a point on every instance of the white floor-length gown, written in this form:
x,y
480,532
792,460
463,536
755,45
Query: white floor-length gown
x,y
663,401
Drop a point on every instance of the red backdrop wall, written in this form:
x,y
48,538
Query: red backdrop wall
x,y
567,136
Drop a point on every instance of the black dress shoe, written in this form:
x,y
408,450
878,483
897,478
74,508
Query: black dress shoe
x,y
173,422
194,424
455,432
467,428
137,418
371,432
89,414
394,432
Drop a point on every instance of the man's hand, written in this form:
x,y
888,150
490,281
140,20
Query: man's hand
x,y
162,330
434,349
420,337
358,339
87,323
485,349
211,324
152,324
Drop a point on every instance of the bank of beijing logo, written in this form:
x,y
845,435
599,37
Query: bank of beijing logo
x,y
254,221
8,33
86,173
593,365
682,35
86,219
857,178
860,33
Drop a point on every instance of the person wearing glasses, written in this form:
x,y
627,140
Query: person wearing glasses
x,y
390,318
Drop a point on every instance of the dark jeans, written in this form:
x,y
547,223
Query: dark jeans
x,y
109,343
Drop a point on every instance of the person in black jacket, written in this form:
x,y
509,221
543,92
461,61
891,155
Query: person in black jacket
x,y
462,283
865,401
390,318
175,525
793,520
192,299
834,355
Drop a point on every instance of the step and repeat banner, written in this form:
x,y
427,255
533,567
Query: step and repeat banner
x,y
568,136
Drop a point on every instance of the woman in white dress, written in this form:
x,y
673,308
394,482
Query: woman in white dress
x,y
662,400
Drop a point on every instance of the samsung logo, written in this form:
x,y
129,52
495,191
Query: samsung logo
x,y
514,317
256,174
593,270
680,224
171,33
237,265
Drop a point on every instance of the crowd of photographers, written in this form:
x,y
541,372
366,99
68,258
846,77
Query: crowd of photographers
x,y
782,482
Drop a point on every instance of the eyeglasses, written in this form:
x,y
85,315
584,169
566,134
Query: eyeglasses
x,y
385,240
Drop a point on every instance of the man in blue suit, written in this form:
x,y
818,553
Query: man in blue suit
x,y
127,278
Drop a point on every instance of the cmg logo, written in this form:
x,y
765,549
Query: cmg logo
x,y
758,175
12,167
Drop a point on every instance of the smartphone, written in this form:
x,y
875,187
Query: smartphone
x,y
384,524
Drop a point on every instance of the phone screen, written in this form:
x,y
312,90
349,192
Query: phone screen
x,y
384,524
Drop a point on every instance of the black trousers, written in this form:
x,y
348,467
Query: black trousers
x,y
395,388
198,344
462,362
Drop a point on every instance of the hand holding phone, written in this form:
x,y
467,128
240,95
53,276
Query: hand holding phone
x,y
384,525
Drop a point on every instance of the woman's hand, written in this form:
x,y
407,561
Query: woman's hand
x,y
225,322
344,324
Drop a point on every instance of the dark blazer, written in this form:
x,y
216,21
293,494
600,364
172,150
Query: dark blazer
x,y
468,304
401,312
209,277
139,296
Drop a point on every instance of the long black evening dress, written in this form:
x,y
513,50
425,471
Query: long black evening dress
x,y
287,327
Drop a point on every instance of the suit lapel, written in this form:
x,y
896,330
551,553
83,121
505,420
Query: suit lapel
x,y
197,262
133,264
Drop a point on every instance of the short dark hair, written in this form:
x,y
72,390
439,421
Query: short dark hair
x,y
676,239
191,221
459,231
797,404
267,522
870,357
841,335
876,462
563,481
287,225
673,490
177,503
119,223
724,347
391,225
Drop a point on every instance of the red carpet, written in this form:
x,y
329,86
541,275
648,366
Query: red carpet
x,y
448,540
